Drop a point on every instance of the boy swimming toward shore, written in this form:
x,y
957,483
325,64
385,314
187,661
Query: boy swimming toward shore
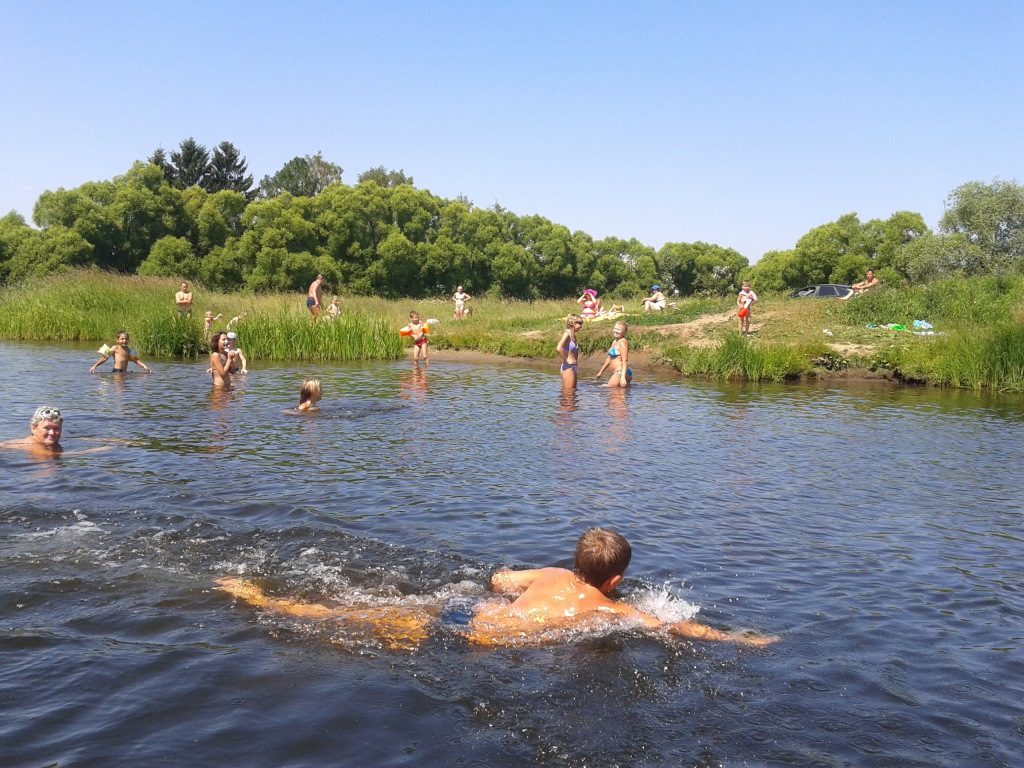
x,y
549,603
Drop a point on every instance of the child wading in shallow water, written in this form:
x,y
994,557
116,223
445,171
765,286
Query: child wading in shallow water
x,y
122,354
418,331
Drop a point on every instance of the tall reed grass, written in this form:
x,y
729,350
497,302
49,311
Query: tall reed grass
x,y
951,301
737,358
989,358
91,305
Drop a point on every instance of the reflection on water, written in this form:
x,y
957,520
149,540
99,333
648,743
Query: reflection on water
x,y
878,530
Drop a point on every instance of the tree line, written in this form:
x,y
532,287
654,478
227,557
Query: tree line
x,y
195,214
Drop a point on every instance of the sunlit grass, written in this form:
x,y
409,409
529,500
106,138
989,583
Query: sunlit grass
x,y
979,328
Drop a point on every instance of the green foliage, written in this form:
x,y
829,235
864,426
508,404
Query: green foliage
x,y
228,170
946,302
737,358
90,305
170,257
991,217
302,176
974,358
699,268
291,336
384,178
190,165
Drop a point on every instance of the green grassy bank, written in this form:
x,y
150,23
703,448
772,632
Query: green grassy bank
x,y
976,340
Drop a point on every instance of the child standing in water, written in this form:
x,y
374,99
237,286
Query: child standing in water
x,y
419,332
568,350
122,354
745,300
618,358
309,395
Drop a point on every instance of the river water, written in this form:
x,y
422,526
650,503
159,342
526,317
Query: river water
x,y
878,531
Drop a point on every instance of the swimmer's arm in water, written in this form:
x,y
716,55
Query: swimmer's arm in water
x,y
142,365
508,582
607,361
98,363
693,629
698,631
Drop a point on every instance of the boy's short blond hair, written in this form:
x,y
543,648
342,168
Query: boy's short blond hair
x,y
600,555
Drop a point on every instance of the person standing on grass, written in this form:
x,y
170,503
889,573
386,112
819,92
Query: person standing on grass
x,y
460,297
745,300
313,296
183,300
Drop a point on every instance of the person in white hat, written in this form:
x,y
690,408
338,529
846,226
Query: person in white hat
x,y
238,362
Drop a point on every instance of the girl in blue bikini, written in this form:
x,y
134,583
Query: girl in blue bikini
x,y
618,358
568,350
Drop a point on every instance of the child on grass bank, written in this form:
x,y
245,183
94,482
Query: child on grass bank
x,y
745,299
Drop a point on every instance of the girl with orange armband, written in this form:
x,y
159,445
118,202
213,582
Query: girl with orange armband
x,y
418,332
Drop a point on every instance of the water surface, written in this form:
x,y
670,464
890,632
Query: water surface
x,y
877,530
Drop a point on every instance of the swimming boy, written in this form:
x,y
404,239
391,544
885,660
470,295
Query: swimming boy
x,y
122,353
548,600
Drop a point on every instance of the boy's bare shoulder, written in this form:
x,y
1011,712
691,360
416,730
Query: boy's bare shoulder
x,y
510,581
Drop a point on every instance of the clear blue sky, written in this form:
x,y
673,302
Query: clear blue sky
x,y
739,123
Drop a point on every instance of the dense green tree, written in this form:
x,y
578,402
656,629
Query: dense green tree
x,y
513,270
384,178
991,217
218,218
933,256
160,160
48,251
302,176
702,268
191,165
170,257
774,271
228,170
396,271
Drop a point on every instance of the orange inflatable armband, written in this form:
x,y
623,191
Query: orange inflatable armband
x,y
405,331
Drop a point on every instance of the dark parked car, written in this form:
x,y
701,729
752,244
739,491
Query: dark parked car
x,y
825,291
